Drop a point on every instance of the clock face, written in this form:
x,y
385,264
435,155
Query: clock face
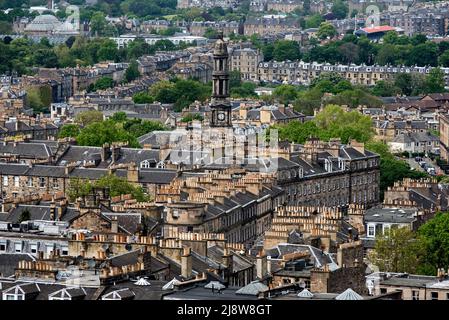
x,y
221,116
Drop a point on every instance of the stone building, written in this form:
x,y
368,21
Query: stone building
x,y
410,286
284,6
198,28
332,174
270,25
246,61
248,114
299,72
444,136
11,100
242,210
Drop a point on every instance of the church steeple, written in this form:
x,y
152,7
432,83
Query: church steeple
x,y
221,108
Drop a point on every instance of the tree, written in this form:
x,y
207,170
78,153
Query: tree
x,y
334,122
443,59
107,131
434,81
313,21
142,98
424,54
190,117
235,79
46,58
340,9
104,83
38,98
285,93
387,54
404,82
391,169
211,33
138,127
118,186
384,88
78,188
119,116
326,30
108,51
268,52
296,131
69,130
286,50
349,52
245,90
164,92
434,240
85,118
132,72
396,250
100,26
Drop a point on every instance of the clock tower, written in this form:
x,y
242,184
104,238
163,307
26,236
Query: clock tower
x,y
220,106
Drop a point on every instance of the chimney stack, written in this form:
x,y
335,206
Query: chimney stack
x,y
105,152
115,152
186,263
114,224
261,265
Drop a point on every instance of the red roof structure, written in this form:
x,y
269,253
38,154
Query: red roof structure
x,y
378,29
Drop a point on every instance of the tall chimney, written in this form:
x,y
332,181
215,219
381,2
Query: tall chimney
x,y
133,173
186,263
261,265
115,152
114,224
105,151
227,262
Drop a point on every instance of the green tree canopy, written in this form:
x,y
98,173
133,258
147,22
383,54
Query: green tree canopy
x,y
434,239
326,30
285,93
142,98
340,9
118,186
396,250
286,50
69,130
132,72
87,117
107,131
434,81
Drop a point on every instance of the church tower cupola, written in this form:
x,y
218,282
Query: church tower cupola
x,y
221,107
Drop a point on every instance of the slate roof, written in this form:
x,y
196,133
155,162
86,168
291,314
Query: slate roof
x,y
129,290
390,215
31,150
151,176
131,258
38,212
239,263
130,221
10,261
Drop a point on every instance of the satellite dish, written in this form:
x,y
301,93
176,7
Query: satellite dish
x,y
128,247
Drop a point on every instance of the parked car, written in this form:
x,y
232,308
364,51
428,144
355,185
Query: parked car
x,y
418,159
